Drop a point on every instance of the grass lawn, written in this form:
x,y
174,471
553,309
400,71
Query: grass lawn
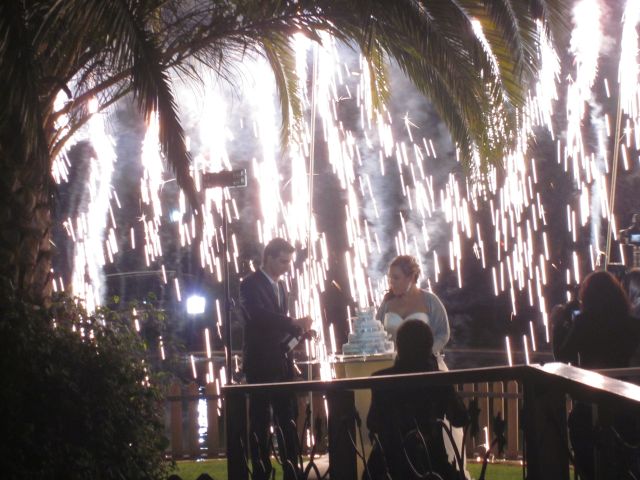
x,y
189,470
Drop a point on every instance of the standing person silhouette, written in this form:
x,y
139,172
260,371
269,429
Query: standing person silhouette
x,y
595,332
263,298
474,417
499,427
632,286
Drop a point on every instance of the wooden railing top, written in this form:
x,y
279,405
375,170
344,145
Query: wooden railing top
x,y
594,385
569,379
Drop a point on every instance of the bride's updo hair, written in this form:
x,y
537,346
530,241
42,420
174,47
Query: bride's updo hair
x,y
408,265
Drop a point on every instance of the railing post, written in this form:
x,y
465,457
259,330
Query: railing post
x,y
545,432
236,426
471,441
485,413
301,400
175,409
513,412
213,433
342,456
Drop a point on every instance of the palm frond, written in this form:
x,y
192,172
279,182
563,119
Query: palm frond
x,y
553,14
461,125
435,61
440,66
377,69
281,58
137,42
133,49
434,39
488,80
513,36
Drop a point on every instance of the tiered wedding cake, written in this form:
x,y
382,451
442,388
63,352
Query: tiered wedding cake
x,y
368,337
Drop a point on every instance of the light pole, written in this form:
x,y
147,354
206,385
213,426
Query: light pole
x,y
222,179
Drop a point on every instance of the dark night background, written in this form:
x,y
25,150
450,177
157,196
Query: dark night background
x,y
479,319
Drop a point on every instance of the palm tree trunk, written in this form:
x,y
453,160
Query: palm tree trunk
x,y
25,230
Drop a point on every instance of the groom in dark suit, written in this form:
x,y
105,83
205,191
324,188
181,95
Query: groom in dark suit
x,y
267,325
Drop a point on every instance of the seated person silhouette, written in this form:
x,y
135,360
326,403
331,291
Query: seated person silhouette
x,y
403,422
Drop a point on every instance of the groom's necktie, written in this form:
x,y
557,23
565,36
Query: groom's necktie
x,y
279,295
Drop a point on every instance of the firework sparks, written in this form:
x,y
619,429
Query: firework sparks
x,y
433,219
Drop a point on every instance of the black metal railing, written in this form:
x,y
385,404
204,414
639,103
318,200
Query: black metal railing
x,y
543,420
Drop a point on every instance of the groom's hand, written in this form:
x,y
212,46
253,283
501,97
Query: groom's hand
x,y
304,322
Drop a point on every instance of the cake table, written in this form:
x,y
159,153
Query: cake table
x,y
353,366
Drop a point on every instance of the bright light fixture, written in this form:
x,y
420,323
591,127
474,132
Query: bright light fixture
x,y
175,216
196,304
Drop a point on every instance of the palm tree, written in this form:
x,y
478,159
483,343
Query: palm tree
x,y
108,49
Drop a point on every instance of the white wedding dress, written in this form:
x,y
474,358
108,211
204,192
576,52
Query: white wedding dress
x,y
392,322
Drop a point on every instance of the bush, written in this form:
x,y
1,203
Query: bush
x,y
75,400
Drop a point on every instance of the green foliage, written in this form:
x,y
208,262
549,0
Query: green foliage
x,y
75,401
164,351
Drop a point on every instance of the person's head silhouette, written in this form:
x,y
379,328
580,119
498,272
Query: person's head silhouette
x,y
414,344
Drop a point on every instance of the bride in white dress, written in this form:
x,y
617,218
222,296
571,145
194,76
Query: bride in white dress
x,y
404,301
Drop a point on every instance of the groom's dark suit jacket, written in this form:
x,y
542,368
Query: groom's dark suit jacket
x,y
266,326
